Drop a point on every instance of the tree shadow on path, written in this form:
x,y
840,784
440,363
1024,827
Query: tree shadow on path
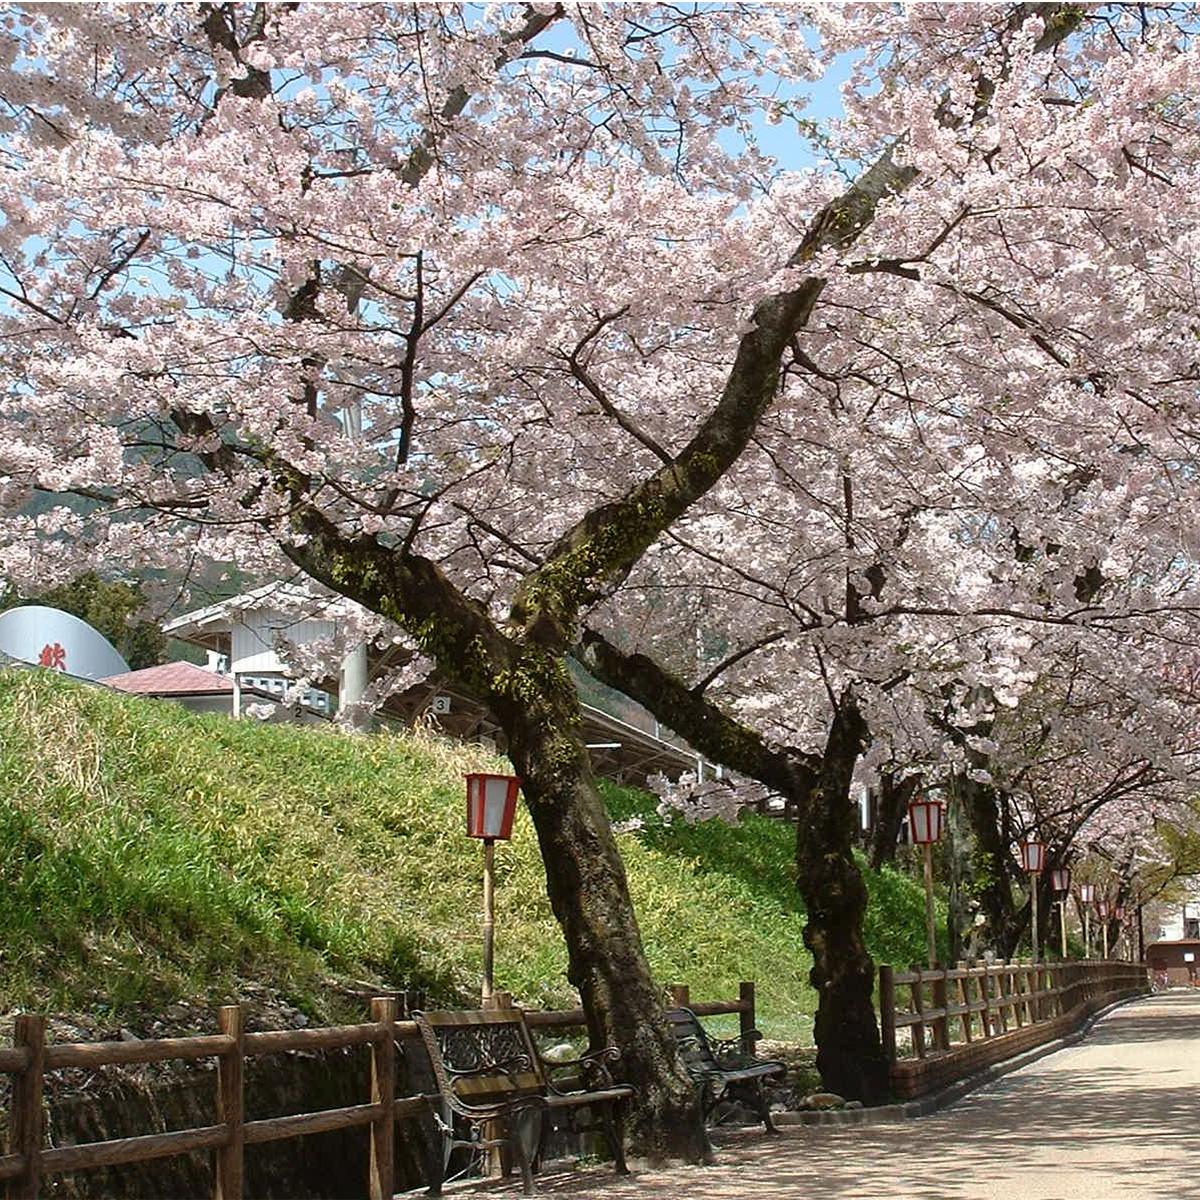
x,y
1113,1118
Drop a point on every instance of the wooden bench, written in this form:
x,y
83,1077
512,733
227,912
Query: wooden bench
x,y
497,1092
723,1068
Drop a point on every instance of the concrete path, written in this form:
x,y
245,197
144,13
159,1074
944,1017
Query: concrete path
x,y
1115,1117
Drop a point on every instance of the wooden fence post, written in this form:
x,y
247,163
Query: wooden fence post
x,y
746,1017
918,1008
29,1032
887,1011
1019,982
680,995
496,1156
383,1093
941,1000
1001,996
231,1103
985,994
963,991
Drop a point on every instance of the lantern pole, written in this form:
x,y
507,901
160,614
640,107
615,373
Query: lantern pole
x,y
489,917
491,805
1087,893
1033,860
1060,883
1033,899
926,823
930,923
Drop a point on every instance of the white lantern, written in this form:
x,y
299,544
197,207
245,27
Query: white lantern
x,y
1033,856
1060,879
491,805
926,821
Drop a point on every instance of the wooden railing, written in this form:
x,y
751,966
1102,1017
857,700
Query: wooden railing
x,y
941,1024
28,1161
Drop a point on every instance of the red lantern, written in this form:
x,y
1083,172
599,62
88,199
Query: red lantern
x,y
926,821
1102,909
1060,879
491,804
1033,856
1118,912
1087,893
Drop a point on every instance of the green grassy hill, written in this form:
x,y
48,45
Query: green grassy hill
x,y
148,854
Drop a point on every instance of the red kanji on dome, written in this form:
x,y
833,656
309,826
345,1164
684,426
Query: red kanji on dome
x,y
54,657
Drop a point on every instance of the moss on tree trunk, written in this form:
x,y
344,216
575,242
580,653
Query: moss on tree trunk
x,y
589,893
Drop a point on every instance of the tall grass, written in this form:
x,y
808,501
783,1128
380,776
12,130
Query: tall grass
x,y
148,854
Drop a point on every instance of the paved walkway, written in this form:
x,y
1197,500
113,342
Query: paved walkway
x,y
1115,1117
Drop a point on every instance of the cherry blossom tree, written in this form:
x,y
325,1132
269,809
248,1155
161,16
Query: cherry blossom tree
x,y
1096,759
318,288
983,470
499,322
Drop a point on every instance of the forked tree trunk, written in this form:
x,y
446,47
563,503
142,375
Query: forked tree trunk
x,y
968,937
849,1050
528,688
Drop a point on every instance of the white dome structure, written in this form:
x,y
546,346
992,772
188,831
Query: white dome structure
x,y
48,637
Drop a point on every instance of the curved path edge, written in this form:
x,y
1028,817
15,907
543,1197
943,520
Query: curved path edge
x,y
886,1114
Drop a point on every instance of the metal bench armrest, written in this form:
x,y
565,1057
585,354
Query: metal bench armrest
x,y
732,1051
592,1069
492,1110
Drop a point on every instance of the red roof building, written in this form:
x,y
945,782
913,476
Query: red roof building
x,y
201,690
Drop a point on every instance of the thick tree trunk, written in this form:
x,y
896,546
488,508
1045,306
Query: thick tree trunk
x,y
968,937
529,690
586,882
993,870
981,913
849,1050
890,812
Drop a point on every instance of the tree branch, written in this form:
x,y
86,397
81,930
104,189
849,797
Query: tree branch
x,y
592,559
408,589
423,155
700,722
733,659
580,372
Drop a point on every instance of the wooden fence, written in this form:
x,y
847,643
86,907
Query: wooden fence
x,y
940,1025
28,1161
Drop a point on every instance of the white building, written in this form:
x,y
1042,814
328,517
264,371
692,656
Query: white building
x,y
242,635
243,638
1182,922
